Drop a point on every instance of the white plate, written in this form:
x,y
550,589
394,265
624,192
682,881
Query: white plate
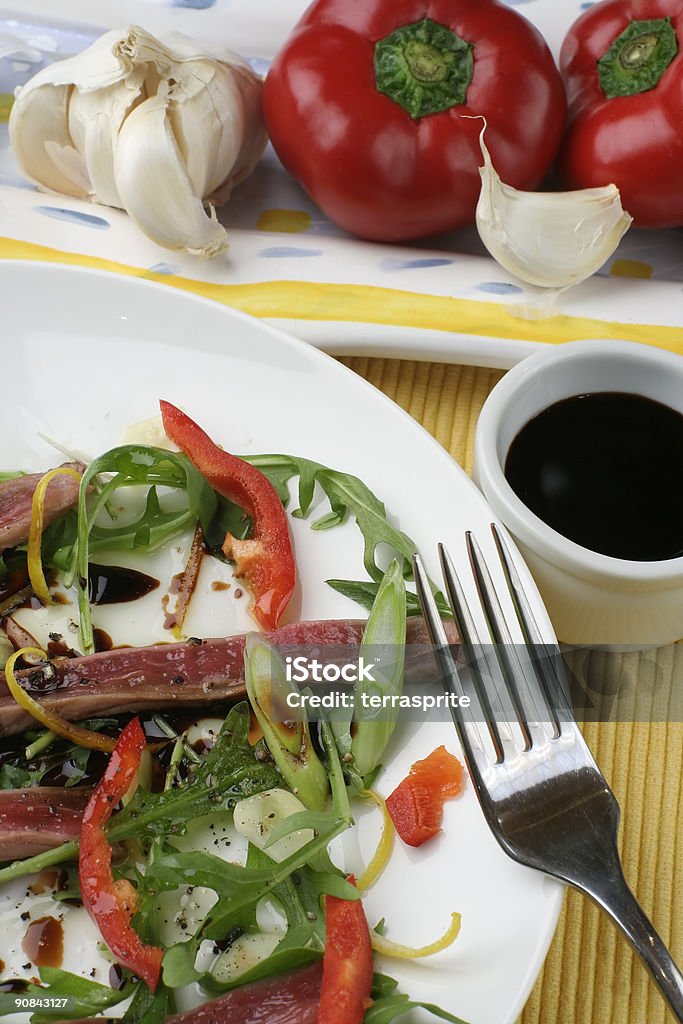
x,y
88,353
442,298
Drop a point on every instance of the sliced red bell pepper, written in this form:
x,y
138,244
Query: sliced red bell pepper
x,y
110,902
265,560
347,962
416,805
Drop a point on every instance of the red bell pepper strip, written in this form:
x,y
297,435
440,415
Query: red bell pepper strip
x,y
111,903
622,62
265,560
347,962
375,107
416,805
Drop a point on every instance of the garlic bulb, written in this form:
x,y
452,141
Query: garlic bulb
x,y
548,239
156,128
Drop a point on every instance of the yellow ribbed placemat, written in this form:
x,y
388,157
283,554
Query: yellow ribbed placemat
x,y
590,975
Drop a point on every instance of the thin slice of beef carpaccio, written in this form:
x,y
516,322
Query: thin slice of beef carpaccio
x,y
16,497
35,820
192,673
292,998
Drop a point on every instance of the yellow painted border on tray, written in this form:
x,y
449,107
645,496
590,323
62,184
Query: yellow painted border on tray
x,y
309,300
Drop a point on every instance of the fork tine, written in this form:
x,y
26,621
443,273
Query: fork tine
x,y
548,661
466,720
527,697
493,695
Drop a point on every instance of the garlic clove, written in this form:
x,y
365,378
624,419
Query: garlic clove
x,y
208,125
548,239
254,141
100,64
154,185
38,126
95,119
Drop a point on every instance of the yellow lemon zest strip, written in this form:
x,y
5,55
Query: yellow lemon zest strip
x,y
35,533
380,857
51,720
389,948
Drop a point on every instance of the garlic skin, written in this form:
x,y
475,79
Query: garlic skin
x,y
161,128
548,239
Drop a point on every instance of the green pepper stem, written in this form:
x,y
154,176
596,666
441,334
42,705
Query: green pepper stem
x,y
637,58
45,739
19,868
424,67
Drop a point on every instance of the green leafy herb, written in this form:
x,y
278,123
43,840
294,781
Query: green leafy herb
x,y
347,495
299,896
85,997
228,773
14,776
70,759
135,465
238,889
149,1007
389,1004
364,592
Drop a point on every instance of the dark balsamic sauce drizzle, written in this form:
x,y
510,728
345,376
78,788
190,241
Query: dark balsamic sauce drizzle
x,y
43,942
112,584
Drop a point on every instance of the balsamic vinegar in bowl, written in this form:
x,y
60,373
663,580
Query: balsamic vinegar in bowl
x,y
605,470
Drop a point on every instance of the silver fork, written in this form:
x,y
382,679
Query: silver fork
x,y
542,794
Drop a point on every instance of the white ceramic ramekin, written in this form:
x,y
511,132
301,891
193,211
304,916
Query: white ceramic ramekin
x,y
591,598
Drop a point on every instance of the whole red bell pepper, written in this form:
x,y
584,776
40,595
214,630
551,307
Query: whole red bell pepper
x,y
370,103
111,903
265,560
347,962
623,68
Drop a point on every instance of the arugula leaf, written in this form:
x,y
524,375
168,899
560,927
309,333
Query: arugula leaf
x,y
69,886
228,773
238,889
318,821
292,952
347,495
389,1004
299,895
13,776
69,757
149,1007
364,592
85,997
135,465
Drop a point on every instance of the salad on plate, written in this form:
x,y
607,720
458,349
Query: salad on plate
x,y
169,815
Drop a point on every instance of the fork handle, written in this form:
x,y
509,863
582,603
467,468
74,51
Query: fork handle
x,y
619,902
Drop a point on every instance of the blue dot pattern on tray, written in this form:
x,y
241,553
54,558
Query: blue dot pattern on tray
x,y
287,251
196,5
164,268
392,264
88,220
499,288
